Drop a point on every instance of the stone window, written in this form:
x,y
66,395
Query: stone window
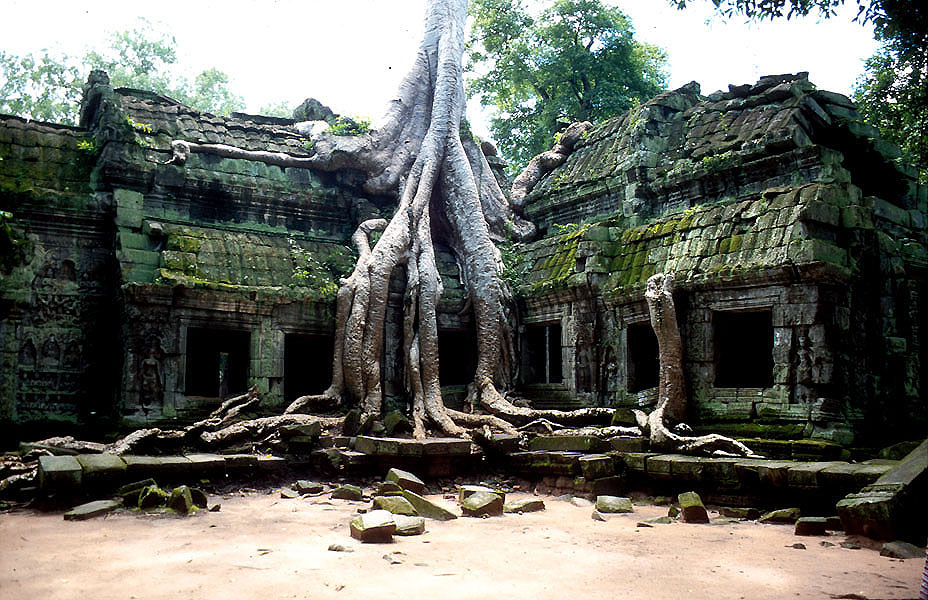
x,y
457,356
642,363
217,362
543,351
743,348
307,364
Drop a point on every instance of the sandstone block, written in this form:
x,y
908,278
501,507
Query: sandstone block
x,y
692,509
614,504
406,480
373,527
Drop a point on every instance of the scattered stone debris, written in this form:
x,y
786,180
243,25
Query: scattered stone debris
x,y
661,520
643,524
900,549
673,511
692,509
524,505
427,508
598,516
782,515
376,526
850,545
745,514
286,494
614,504
406,481
798,546
825,544
92,509
304,486
483,503
347,492
339,548
581,502
811,526
397,505
406,525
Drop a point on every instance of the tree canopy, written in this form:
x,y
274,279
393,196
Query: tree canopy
x,y
577,60
47,87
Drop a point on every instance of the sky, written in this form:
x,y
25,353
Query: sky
x,y
351,54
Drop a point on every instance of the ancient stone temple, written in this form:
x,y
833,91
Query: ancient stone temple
x,y
137,288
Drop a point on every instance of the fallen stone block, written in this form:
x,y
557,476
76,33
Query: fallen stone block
x,y
614,504
833,523
388,488
524,505
692,509
428,509
287,494
783,515
598,516
152,496
347,492
892,507
396,505
406,480
810,526
181,500
465,491
749,514
92,509
900,549
482,503
376,526
406,525
130,492
304,486
59,472
581,502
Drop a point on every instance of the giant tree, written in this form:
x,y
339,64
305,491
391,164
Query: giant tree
x,y
577,60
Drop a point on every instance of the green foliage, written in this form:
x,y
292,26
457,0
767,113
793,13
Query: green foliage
x,y
718,162
349,126
893,92
41,87
771,9
87,146
515,264
48,87
575,60
12,243
280,109
320,272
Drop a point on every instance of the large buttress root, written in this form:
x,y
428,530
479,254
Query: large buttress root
x,y
671,403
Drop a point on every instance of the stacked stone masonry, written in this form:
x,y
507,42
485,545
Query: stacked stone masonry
x,y
796,236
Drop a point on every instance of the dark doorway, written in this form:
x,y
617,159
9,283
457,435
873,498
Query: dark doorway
x,y
457,356
642,359
743,349
307,364
217,362
542,347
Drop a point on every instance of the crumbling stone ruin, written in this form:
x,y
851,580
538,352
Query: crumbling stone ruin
x,y
146,291
142,287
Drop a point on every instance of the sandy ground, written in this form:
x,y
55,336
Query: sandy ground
x,y
261,546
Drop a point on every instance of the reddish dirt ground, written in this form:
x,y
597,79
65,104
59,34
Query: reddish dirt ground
x,y
261,546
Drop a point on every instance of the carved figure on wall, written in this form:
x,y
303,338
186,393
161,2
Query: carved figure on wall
x,y
151,382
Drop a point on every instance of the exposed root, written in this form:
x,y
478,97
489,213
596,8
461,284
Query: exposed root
x,y
546,162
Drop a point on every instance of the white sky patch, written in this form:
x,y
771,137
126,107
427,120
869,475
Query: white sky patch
x,y
352,54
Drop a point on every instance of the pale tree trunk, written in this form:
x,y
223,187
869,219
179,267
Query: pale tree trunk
x,y
671,403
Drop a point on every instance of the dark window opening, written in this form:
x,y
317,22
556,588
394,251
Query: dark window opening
x,y
642,358
217,362
307,364
457,357
543,353
743,349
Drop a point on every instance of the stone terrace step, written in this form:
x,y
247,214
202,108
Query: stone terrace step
x,y
109,470
829,480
